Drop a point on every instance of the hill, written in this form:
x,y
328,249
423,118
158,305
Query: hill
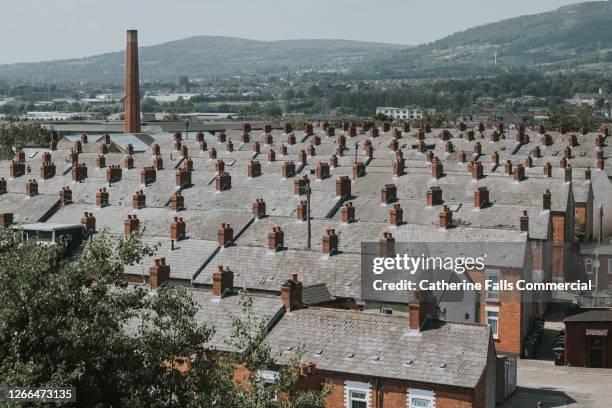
x,y
204,56
576,37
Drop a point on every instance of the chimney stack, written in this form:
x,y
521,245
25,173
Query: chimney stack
x,y
65,195
225,235
546,200
259,208
446,217
6,219
102,198
568,174
130,225
330,242
437,168
177,202
388,193
300,211
343,186
31,188
423,305
132,85
434,196
396,215
223,281
276,239
386,245
525,222
89,222
178,229
348,213
139,200
159,273
481,197
291,293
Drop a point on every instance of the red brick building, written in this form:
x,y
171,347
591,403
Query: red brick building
x,y
588,339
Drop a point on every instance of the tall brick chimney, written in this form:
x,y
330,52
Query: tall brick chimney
x,y
132,84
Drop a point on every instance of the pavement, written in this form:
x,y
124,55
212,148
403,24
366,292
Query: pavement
x,y
539,380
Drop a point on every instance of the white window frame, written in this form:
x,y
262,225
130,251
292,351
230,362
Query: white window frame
x,y
359,387
492,295
496,318
588,265
269,377
417,394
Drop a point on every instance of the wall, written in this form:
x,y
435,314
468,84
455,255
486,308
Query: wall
x,y
393,393
576,342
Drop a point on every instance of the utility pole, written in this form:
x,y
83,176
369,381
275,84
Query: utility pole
x,y
356,147
600,223
306,188
187,129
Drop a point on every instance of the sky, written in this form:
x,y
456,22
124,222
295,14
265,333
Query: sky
x,y
41,30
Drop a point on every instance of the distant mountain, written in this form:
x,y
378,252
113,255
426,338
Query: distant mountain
x,y
578,37
204,56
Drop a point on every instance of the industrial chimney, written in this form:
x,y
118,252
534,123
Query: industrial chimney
x,y
132,84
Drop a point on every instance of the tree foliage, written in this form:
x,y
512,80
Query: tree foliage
x,y
77,323
19,135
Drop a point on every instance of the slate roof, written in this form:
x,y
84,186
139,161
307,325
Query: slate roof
x,y
591,316
383,346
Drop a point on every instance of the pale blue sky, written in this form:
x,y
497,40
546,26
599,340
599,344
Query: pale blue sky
x,y
37,30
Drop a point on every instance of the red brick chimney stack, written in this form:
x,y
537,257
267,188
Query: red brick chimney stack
x,y
130,225
6,219
89,222
348,213
159,273
132,84
330,242
276,239
223,281
423,305
525,222
225,235
259,208
291,293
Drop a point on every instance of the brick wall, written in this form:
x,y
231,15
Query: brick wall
x,y
393,393
510,332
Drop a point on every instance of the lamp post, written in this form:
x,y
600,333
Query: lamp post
x,y
187,129
356,147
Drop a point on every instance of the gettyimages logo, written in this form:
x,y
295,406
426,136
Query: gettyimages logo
x,y
414,265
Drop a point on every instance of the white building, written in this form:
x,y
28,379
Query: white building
x,y
403,113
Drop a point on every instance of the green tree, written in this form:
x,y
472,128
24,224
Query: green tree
x,y
19,135
78,323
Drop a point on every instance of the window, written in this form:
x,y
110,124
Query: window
x,y
269,378
358,399
588,265
493,320
610,265
386,310
421,398
357,394
492,293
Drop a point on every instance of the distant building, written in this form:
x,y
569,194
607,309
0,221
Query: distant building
x,y
404,113
49,116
